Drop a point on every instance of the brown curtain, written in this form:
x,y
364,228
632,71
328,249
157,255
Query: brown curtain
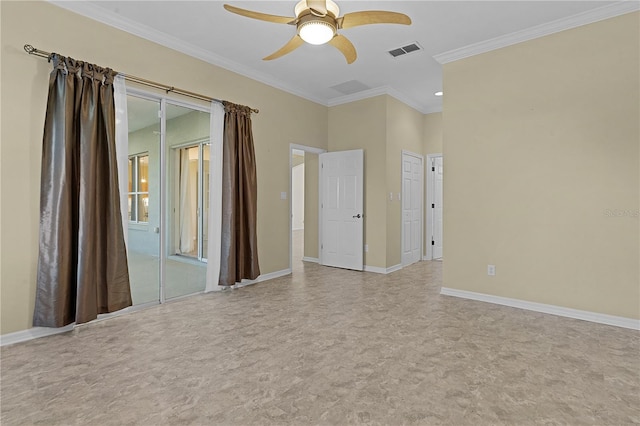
x,y
82,265
239,258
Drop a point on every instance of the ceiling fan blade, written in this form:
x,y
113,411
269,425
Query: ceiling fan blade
x,y
317,7
343,44
367,17
291,45
261,16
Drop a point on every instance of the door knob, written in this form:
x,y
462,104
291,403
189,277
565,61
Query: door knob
x,y
358,216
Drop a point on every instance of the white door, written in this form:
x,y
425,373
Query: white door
x,y
341,205
411,208
437,208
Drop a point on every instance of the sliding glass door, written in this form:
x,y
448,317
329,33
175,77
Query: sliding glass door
x,y
143,232
168,198
187,140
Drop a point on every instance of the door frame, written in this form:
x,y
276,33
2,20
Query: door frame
x,y
310,150
421,158
429,216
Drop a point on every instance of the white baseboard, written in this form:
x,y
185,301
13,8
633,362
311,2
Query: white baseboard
x,y
379,270
439,259
267,277
375,269
367,268
37,332
394,268
261,278
32,333
623,322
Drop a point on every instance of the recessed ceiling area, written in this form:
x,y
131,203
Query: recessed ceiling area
x,y
319,73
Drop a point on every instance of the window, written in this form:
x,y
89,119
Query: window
x,y
139,188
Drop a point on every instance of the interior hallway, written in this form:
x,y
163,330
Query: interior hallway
x,y
297,251
327,346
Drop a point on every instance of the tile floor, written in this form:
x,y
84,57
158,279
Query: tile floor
x,y
327,346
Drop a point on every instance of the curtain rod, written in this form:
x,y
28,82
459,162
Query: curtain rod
x,y
169,89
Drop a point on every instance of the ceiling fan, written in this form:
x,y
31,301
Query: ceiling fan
x,y
318,22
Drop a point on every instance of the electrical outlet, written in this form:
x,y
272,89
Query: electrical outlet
x,y
391,196
366,248
491,270
283,195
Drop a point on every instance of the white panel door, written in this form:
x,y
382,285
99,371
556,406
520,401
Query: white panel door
x,y
437,208
341,204
411,209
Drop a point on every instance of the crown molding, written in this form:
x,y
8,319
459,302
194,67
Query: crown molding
x,y
99,14
432,110
383,90
584,18
405,100
358,96
106,17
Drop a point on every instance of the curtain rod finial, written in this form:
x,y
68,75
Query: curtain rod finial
x,y
37,52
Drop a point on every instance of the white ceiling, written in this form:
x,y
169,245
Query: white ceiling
x,y
445,29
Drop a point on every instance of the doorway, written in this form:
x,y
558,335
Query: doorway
x,y
435,206
303,205
412,171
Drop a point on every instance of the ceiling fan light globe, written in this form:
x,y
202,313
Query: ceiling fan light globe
x,y
316,32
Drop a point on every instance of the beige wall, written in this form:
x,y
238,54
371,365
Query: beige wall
x,y
541,144
362,124
283,119
432,133
405,127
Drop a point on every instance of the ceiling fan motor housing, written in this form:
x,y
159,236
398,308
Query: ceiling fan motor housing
x,y
331,7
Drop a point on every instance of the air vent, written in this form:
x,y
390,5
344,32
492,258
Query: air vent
x,y
350,87
413,47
